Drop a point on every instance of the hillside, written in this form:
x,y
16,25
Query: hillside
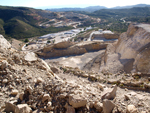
x,y
23,22
120,13
131,6
118,19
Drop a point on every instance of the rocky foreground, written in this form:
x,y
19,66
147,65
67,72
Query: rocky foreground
x,y
30,85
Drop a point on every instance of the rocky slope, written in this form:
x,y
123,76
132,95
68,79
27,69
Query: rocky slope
x,y
30,85
131,52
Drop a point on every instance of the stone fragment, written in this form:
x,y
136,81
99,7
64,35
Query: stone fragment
x,y
110,94
10,107
21,96
5,81
3,64
16,59
108,106
45,97
70,109
98,106
39,80
24,108
127,97
91,104
76,101
45,66
37,111
29,89
54,70
49,105
58,88
62,96
14,92
131,109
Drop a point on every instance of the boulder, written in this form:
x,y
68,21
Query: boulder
x,y
24,108
76,101
131,109
108,106
29,89
10,107
30,56
110,94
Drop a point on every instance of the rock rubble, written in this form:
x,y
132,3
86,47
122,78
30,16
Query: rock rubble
x,y
31,86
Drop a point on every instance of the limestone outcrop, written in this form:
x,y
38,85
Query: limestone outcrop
x,y
131,52
4,43
69,48
106,36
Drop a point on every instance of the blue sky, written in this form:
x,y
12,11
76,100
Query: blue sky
x,y
71,3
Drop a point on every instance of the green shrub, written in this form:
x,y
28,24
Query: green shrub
x,y
26,40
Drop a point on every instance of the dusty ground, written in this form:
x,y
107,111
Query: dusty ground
x,y
16,44
136,97
76,61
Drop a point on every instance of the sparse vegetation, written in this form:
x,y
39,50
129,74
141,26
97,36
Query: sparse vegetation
x,y
26,40
48,41
20,22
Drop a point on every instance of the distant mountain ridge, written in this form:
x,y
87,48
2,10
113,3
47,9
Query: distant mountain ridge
x,y
87,9
95,8
131,6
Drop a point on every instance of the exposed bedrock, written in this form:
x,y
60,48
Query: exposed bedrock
x,y
70,48
131,52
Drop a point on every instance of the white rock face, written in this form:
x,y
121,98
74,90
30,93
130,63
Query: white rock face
x,y
4,43
131,53
30,56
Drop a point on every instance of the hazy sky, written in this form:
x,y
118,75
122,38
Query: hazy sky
x,y
71,3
